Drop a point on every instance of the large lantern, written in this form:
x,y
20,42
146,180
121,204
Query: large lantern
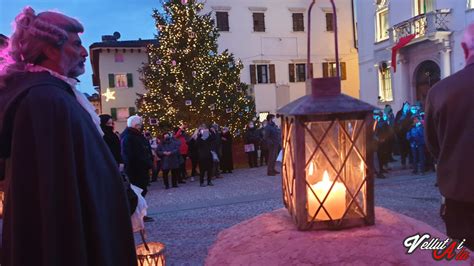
x,y
327,174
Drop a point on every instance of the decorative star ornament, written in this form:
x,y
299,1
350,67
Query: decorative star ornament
x,y
109,95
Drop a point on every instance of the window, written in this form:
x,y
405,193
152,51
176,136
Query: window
x,y
262,116
329,70
422,6
259,22
222,19
297,72
118,58
329,22
470,4
262,74
122,113
298,23
385,83
121,80
382,25
300,72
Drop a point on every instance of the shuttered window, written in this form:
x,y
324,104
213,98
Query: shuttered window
x,y
329,70
111,81
129,80
113,113
259,22
121,80
291,72
131,111
298,24
262,74
222,20
329,22
253,75
272,73
297,72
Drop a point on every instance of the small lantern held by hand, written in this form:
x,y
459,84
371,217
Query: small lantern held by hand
x,y
150,253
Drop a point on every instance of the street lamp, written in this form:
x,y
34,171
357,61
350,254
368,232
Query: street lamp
x,y
327,170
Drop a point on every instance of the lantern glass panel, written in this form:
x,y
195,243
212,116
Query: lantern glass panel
x,y
335,169
288,164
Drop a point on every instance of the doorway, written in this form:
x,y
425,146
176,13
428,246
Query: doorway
x,y
426,75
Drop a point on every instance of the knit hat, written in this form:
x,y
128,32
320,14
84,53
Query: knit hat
x,y
134,120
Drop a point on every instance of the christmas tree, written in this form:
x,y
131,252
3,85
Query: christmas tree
x,y
187,80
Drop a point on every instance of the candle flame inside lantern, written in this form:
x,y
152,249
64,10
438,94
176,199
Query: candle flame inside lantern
x,y
311,168
335,202
326,176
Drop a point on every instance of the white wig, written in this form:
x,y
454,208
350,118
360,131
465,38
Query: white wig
x,y
134,120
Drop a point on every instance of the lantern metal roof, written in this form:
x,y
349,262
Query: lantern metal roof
x,y
325,99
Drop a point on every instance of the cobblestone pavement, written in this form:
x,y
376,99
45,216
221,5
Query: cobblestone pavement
x,y
189,218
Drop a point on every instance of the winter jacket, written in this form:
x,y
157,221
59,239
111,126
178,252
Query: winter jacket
x,y
183,139
402,124
449,133
216,143
113,141
416,136
136,154
252,136
193,152
382,131
272,135
169,161
204,147
261,134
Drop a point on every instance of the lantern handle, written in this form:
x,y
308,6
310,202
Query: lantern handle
x,y
142,235
309,73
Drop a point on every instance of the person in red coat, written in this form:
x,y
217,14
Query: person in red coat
x,y
183,138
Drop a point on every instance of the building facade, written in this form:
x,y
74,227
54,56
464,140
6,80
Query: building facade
x,y
270,38
406,46
115,67
94,99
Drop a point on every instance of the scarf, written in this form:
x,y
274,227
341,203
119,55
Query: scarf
x,y
80,97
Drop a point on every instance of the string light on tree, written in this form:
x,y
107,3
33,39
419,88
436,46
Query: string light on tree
x,y
187,79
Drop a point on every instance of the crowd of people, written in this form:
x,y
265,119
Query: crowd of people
x,y
142,156
64,187
401,134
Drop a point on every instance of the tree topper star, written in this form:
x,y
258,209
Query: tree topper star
x,y
109,95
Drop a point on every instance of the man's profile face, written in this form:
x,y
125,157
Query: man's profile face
x,y
73,56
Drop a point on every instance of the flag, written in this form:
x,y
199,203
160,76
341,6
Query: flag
x,y
401,43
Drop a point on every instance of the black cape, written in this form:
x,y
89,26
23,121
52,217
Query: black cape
x,y
65,202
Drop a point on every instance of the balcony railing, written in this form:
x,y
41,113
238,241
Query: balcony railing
x,y
422,25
